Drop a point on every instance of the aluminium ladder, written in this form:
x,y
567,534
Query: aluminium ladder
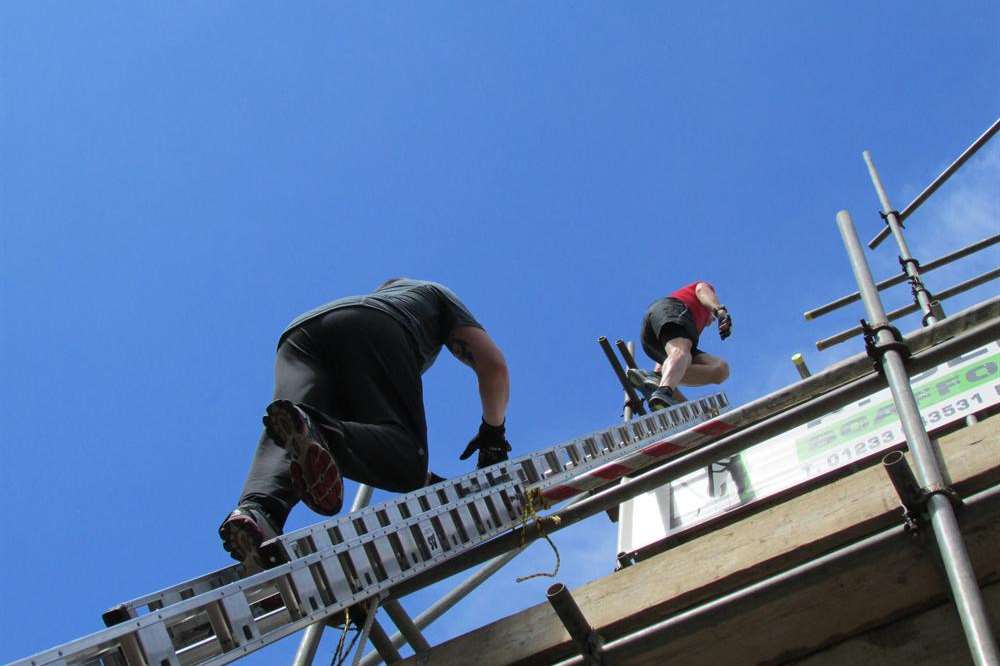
x,y
321,570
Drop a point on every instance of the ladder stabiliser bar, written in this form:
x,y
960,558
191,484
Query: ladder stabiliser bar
x,y
321,570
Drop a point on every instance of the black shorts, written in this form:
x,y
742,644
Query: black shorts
x,y
666,319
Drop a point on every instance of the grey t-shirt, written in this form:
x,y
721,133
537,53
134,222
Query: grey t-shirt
x,y
426,310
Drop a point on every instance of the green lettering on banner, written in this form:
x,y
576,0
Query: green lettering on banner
x,y
927,394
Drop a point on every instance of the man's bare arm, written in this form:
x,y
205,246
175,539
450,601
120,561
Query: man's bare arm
x,y
706,294
476,349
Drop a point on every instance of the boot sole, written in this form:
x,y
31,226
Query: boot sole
x,y
640,383
315,475
657,405
241,537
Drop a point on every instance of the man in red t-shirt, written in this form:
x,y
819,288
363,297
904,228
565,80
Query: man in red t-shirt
x,y
670,332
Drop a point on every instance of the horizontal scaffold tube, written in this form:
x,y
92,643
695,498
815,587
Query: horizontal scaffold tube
x,y
639,642
955,290
903,277
938,182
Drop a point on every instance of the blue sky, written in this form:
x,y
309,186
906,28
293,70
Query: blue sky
x,y
179,180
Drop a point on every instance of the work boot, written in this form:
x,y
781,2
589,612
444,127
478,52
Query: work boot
x,y
645,381
662,398
244,530
314,471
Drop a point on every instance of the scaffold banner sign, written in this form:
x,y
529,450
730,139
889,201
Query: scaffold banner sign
x,y
859,432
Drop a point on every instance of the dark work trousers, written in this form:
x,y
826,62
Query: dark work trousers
x,y
355,372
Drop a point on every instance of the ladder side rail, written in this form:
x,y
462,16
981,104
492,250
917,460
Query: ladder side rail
x,y
304,599
540,460
346,569
342,529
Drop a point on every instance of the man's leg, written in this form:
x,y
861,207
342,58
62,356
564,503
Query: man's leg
x,y
664,338
377,422
676,365
705,369
268,495
298,377
356,378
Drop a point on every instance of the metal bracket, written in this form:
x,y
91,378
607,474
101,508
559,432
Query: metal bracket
x,y
885,217
912,497
947,491
624,560
589,641
877,350
917,286
936,310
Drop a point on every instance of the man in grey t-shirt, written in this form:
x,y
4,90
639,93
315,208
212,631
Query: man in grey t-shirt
x,y
348,400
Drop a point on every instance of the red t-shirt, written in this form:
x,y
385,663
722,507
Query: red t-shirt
x,y
699,312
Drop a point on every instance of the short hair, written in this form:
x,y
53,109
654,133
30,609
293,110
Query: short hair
x,y
388,282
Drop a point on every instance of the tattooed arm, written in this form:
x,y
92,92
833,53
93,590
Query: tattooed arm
x,y
475,348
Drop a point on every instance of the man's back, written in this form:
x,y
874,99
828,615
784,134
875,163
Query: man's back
x,y
427,311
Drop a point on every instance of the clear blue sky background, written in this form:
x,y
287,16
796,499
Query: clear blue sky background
x,y
178,180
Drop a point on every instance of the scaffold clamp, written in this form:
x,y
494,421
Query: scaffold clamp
x,y
911,260
876,350
914,514
885,217
912,496
937,311
938,489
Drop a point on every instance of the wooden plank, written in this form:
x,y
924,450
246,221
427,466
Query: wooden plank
x,y
746,551
873,589
931,637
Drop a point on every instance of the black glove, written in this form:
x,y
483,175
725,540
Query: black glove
x,y
433,478
725,323
491,444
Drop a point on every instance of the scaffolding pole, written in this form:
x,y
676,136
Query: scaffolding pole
x,y
939,181
910,265
313,634
954,555
445,603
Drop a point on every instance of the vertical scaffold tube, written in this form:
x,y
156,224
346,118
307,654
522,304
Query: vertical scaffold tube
x,y
311,637
954,555
920,293
800,365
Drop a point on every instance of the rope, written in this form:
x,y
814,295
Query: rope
x,y
347,652
521,579
530,513
338,654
